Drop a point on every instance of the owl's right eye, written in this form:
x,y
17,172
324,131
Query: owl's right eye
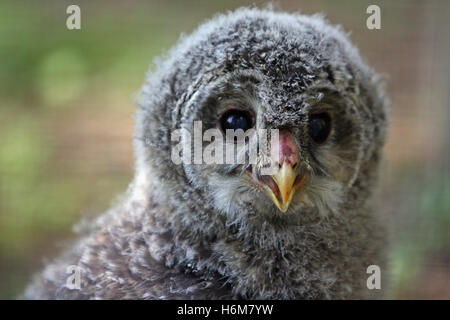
x,y
236,119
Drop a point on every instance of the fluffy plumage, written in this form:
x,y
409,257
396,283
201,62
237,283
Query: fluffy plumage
x,y
202,231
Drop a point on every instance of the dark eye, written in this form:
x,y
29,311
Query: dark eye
x,y
319,127
236,119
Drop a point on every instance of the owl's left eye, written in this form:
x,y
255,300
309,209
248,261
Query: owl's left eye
x,y
319,127
236,119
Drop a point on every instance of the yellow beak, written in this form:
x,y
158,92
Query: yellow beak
x,y
283,190
281,186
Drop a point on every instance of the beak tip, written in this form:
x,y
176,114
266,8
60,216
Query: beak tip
x,y
283,207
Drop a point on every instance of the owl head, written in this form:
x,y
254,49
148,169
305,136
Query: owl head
x,y
294,76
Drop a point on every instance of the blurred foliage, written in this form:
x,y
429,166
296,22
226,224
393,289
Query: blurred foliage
x,y
66,106
422,243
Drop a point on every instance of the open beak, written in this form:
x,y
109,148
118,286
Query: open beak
x,y
282,185
282,192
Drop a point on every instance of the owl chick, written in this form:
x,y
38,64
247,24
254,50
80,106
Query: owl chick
x,y
213,231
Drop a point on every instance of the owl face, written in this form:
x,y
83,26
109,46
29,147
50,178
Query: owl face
x,y
261,70
312,158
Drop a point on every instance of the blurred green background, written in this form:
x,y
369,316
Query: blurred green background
x,y
66,121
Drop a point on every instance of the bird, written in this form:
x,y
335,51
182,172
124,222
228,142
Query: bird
x,y
308,230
